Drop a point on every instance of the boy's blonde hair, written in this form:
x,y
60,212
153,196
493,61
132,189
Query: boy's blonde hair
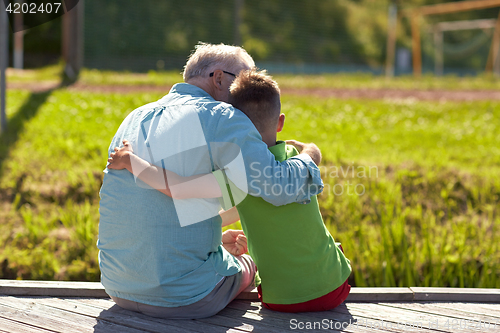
x,y
258,96
208,57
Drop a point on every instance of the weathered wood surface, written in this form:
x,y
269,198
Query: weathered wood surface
x,y
51,288
95,289
76,314
36,306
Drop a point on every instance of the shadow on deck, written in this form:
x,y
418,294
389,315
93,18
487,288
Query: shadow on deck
x,y
46,306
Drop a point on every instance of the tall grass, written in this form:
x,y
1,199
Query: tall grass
x,y
50,174
429,214
412,190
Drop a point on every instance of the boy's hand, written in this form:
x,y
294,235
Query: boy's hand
x,y
297,144
235,242
307,148
120,159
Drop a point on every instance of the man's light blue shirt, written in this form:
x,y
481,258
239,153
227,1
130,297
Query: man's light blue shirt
x,y
165,252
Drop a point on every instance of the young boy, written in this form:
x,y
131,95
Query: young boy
x,y
300,268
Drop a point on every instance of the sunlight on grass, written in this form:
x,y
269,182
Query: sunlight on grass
x,y
429,172
339,81
370,81
49,73
95,77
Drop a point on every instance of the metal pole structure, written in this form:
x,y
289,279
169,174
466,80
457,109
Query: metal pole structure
x,y
4,56
438,51
72,41
496,62
18,40
441,27
495,48
80,31
443,8
417,53
391,39
238,13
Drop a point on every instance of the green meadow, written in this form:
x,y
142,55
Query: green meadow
x,y
412,189
345,81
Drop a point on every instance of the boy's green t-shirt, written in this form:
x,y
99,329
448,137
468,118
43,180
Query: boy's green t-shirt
x,y
297,258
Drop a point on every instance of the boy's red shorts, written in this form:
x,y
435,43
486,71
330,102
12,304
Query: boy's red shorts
x,y
323,303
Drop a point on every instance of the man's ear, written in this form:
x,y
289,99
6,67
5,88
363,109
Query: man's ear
x,y
281,122
217,79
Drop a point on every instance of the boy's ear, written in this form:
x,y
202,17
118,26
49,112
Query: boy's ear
x,y
281,122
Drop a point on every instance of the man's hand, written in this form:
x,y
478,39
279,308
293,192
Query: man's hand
x,y
307,148
120,159
235,242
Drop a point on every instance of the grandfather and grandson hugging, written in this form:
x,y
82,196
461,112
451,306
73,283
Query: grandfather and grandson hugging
x,y
211,143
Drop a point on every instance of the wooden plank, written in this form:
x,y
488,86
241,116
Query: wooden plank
x,y
248,321
380,295
491,306
454,7
38,315
117,315
362,319
249,293
191,325
452,313
52,288
37,320
97,302
72,289
471,308
95,289
465,25
456,294
374,315
11,326
334,319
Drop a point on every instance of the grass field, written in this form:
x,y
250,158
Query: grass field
x,y
356,80
422,207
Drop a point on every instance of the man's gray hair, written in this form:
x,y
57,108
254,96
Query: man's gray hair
x,y
208,57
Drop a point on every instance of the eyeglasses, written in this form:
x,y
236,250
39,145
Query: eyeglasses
x,y
212,74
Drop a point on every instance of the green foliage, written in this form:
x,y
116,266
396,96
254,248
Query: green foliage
x,y
95,77
412,189
428,216
52,74
46,74
131,35
51,162
364,81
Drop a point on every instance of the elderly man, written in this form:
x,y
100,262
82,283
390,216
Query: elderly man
x,y
169,258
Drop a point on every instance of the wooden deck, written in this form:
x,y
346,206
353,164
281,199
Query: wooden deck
x,y
36,306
